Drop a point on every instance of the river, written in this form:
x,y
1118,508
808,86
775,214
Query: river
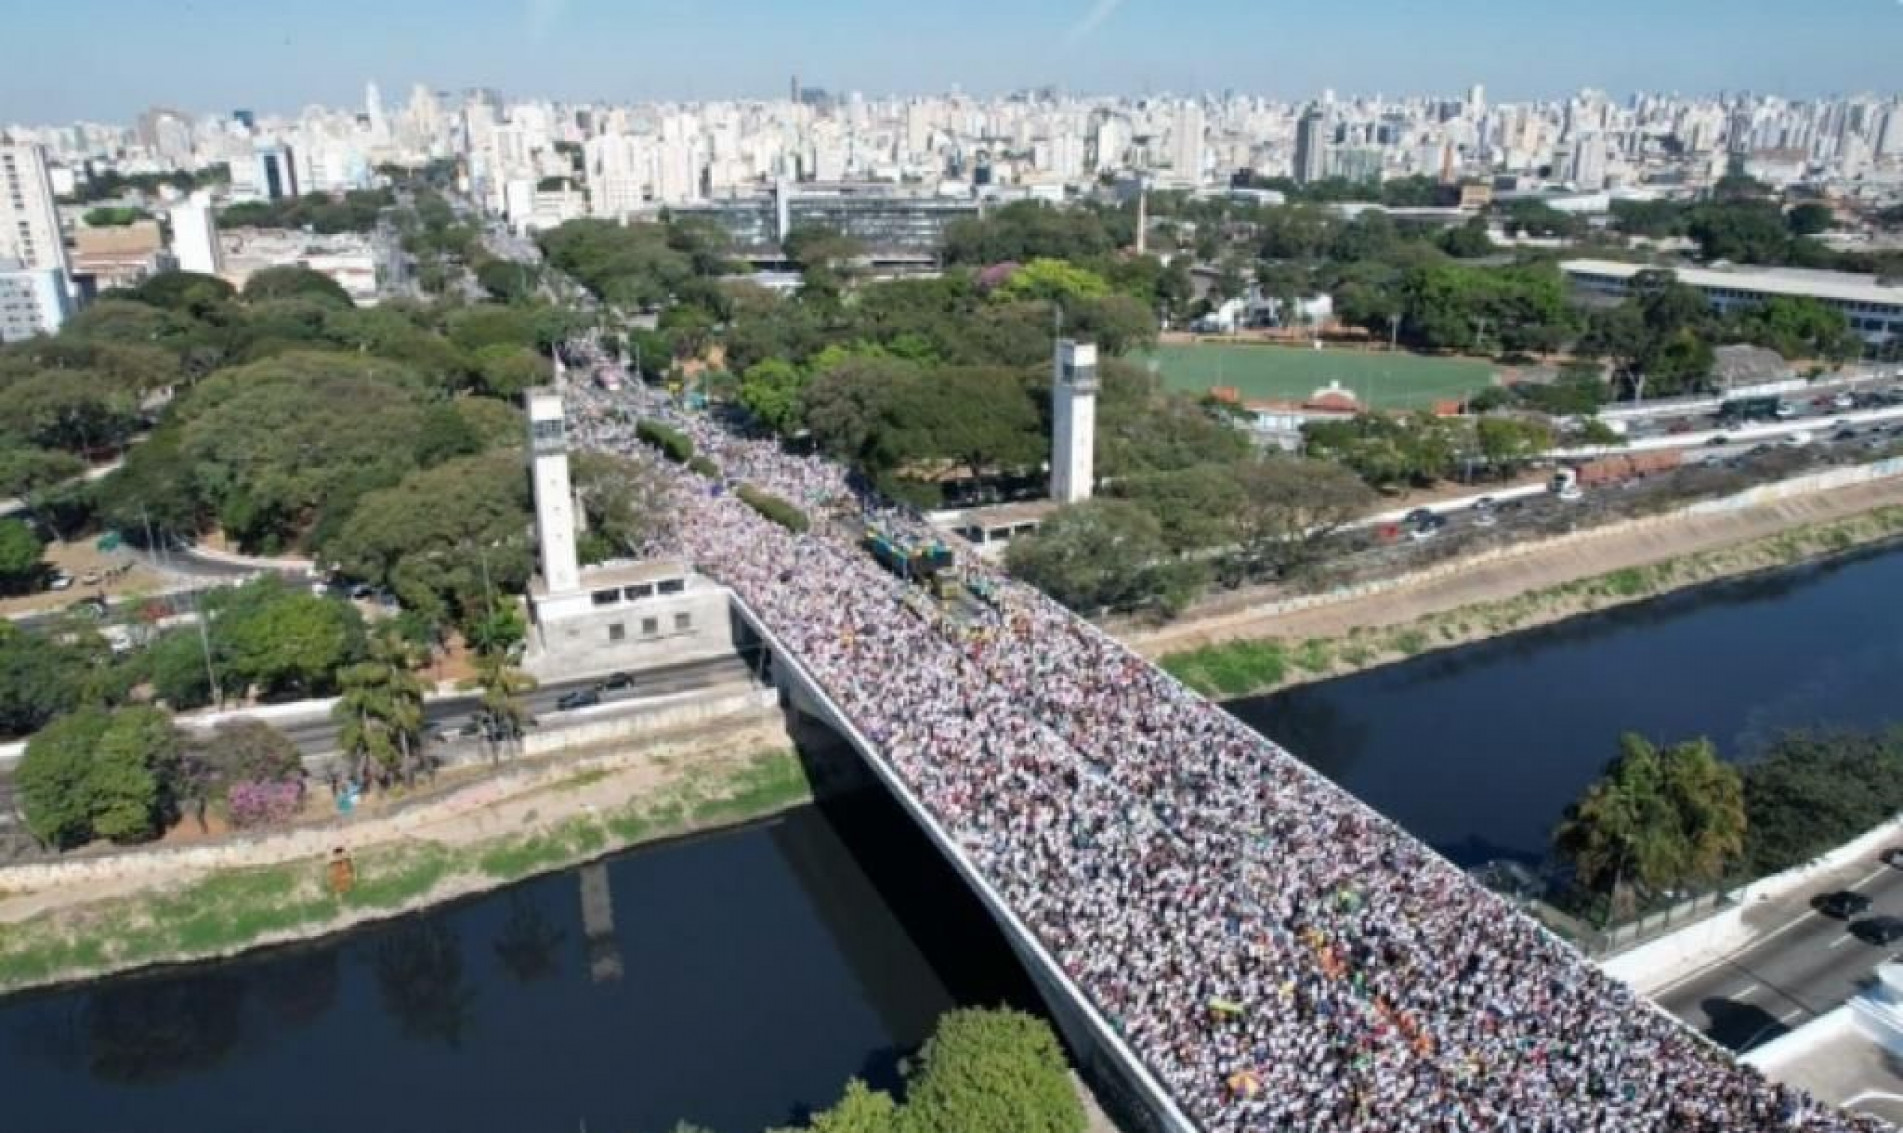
x,y
1478,750
762,967
759,970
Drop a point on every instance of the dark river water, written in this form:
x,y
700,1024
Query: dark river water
x,y
761,968
1478,750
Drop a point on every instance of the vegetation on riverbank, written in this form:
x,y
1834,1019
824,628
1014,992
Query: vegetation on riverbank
x,y
1244,668
1665,820
982,1071
230,911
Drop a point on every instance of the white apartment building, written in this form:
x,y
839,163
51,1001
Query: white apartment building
x,y
33,301
1874,310
29,217
195,236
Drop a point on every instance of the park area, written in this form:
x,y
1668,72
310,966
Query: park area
x,y
1381,379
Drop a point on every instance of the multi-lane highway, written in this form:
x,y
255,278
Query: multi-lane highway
x,y
1801,965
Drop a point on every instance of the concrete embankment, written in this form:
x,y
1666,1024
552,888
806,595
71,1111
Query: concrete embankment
x,y
1294,641
88,916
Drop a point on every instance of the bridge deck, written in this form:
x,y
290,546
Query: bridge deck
x,y
1276,955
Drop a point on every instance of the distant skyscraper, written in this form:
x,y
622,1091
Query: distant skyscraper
x,y
1476,100
29,218
277,172
373,109
1186,142
195,236
246,119
1311,146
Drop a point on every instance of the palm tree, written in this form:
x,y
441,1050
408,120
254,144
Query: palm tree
x,y
1708,796
502,713
379,712
1624,833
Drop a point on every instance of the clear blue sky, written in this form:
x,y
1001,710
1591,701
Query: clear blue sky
x,y
107,59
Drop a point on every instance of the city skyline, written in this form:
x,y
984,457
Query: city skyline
x,y
659,50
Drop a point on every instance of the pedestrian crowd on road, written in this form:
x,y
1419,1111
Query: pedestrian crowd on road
x,y
1277,955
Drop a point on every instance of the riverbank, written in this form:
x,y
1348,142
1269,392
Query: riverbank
x,y
501,830
1247,654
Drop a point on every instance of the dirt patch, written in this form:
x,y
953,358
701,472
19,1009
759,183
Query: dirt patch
x,y
1539,568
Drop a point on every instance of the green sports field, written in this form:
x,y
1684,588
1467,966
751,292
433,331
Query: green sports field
x,y
1380,379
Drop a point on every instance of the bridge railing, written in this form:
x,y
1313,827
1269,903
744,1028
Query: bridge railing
x,y
1156,1094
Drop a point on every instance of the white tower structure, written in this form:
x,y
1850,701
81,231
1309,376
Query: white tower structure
x,y
554,501
1074,417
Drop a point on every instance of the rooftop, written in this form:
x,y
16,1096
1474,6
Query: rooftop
x,y
1843,286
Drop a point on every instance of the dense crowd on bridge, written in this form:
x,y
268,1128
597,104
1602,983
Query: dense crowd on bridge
x,y
1278,955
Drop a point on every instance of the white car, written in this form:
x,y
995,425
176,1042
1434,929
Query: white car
x,y
1572,492
1784,410
60,581
1844,401
1798,439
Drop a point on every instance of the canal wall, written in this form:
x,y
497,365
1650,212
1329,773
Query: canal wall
x,y
1119,1074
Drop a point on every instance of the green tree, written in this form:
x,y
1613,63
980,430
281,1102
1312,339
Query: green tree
x,y
41,678
1810,218
1052,281
1508,443
20,551
282,640
1097,555
1289,509
861,1110
504,371
502,712
992,1072
771,390
25,468
379,713
99,774
1811,791
294,282
1656,820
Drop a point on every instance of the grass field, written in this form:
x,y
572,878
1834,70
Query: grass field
x,y
1381,379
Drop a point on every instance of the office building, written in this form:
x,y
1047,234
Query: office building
x,y
277,172
1311,146
195,236
29,217
1874,310
33,301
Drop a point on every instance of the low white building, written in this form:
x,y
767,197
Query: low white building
x,y
1873,309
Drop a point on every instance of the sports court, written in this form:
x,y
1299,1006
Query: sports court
x,y
1381,379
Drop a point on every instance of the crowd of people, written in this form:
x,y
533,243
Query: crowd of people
x,y
1278,956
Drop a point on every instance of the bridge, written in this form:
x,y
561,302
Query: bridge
x,y
1222,932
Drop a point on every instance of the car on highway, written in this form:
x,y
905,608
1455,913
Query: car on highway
x,y
1784,411
580,698
1419,517
447,733
1843,904
1798,439
1878,930
1720,439
1892,857
1485,517
615,682
60,581
1844,434
1844,401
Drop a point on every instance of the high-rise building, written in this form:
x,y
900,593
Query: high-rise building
x,y
1186,142
277,172
195,236
29,218
1074,421
1311,146
33,301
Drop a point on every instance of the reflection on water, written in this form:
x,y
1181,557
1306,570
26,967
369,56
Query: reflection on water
x,y
1478,750
757,971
